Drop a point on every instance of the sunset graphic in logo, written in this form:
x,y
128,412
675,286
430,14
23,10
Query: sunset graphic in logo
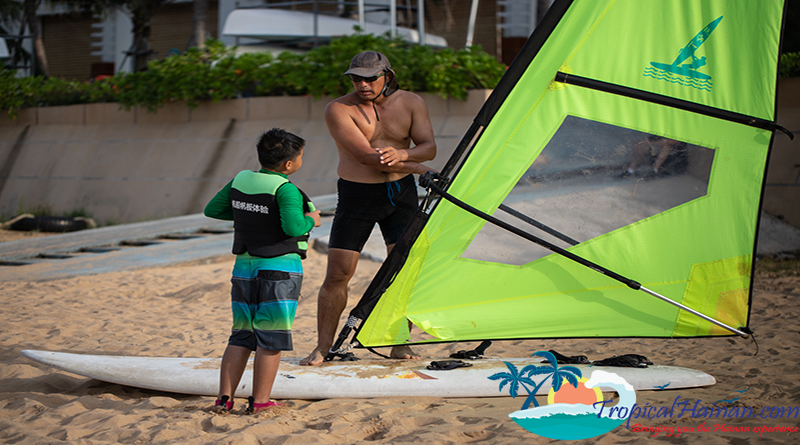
x,y
575,408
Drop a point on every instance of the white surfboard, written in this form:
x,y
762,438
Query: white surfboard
x,y
358,379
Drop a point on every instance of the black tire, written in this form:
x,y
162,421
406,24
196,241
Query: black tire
x,y
48,223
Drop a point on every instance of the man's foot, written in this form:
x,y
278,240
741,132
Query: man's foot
x,y
315,358
404,353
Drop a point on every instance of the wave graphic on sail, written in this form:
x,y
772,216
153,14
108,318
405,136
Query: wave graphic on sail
x,y
656,73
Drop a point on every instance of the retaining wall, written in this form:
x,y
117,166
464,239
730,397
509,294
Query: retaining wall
x,y
127,166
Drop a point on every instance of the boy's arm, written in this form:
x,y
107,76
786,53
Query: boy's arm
x,y
220,205
294,222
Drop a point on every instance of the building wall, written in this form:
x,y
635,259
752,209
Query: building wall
x,y
452,23
67,40
171,27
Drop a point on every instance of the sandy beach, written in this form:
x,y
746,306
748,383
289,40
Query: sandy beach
x,y
183,311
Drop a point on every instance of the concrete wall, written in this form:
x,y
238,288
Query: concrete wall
x,y
127,166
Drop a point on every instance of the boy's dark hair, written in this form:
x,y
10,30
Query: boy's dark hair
x,y
277,146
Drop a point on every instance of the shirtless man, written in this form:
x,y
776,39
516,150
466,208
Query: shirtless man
x,y
373,128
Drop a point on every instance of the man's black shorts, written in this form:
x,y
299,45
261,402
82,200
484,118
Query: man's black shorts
x,y
360,206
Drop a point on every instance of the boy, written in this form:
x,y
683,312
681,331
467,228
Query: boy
x,y
271,219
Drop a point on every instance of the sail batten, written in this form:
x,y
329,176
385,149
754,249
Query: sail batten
x,y
665,100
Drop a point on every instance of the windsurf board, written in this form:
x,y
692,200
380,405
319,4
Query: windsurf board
x,y
338,379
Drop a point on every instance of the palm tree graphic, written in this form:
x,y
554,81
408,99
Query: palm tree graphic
x,y
524,378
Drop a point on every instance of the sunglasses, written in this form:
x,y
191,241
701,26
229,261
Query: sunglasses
x,y
358,79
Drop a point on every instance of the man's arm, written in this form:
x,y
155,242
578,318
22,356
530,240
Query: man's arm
x,y
421,133
406,167
349,137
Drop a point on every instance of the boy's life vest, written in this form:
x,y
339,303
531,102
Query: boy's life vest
x,y
256,218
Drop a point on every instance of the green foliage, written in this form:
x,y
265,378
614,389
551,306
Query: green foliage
x,y
452,69
15,93
215,73
790,65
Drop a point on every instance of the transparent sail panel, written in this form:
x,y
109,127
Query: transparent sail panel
x,y
592,178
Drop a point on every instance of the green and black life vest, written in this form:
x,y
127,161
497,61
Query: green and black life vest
x,y
256,218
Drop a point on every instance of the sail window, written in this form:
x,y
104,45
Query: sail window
x,y
593,178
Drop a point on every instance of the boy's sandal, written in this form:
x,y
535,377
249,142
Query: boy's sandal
x,y
223,405
255,408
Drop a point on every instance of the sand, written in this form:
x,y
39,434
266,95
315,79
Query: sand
x,y
182,310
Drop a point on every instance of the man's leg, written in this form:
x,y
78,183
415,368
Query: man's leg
x,y
663,153
640,148
332,301
402,352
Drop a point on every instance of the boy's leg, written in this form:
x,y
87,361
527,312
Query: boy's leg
x,y
234,362
277,303
265,369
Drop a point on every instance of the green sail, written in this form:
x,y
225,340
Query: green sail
x,y
697,73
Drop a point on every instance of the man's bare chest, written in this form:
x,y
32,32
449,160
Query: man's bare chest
x,y
387,126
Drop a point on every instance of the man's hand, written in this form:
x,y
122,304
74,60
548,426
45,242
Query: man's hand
x,y
391,156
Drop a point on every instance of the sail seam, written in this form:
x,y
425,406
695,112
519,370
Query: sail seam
x,y
585,82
